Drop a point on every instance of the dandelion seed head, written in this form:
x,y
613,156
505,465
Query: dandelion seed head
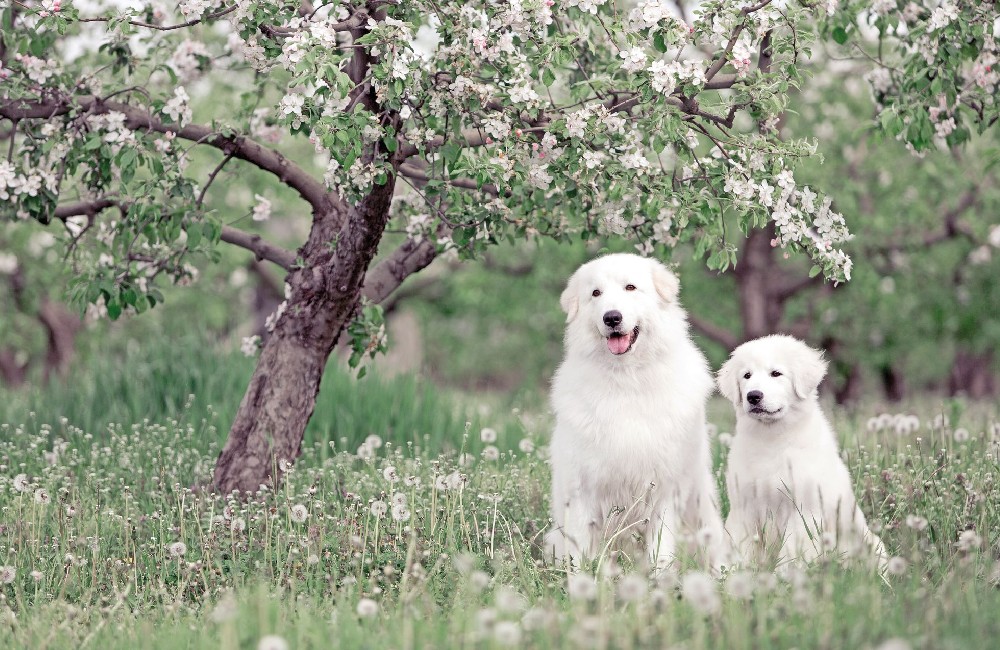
x,y
299,513
507,599
896,566
632,587
740,585
225,609
400,512
21,482
507,633
367,608
894,644
272,642
968,540
699,589
7,574
581,587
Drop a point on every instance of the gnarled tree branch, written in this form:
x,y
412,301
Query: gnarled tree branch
x,y
386,276
139,119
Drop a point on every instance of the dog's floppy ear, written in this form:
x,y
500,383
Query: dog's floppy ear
x,y
570,298
807,370
665,282
729,383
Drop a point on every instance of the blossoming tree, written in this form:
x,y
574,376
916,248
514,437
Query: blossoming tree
x,y
462,123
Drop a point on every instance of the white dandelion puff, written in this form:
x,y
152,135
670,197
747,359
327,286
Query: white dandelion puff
x,y
699,589
367,608
272,642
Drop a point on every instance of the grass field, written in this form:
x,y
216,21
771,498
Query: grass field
x,y
402,527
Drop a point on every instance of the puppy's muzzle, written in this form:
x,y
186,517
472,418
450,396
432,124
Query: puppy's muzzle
x,y
754,397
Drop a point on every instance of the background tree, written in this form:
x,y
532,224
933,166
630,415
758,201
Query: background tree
x,y
441,128
500,121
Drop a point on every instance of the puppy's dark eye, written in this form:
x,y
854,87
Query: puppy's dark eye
x,y
775,373
596,292
629,287
747,376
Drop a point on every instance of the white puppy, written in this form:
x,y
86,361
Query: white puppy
x,y
630,453
789,490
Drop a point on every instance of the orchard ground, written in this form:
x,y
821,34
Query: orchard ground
x,y
411,520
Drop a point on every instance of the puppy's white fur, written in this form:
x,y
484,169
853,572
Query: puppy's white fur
x,y
630,452
788,487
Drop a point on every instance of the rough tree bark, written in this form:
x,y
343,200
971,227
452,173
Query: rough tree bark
x,y
280,399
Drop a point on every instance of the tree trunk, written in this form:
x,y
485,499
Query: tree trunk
x,y
271,421
972,375
893,382
757,280
62,327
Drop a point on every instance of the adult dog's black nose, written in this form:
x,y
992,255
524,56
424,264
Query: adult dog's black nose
x,y
613,318
754,397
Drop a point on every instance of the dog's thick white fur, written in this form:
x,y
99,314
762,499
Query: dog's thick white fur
x,y
790,493
630,453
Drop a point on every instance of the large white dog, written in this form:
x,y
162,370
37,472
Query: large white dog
x,y
630,453
790,493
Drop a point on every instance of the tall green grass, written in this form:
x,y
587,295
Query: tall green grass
x,y
195,379
105,543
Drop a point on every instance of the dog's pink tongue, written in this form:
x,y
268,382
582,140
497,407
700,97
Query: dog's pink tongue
x,y
619,344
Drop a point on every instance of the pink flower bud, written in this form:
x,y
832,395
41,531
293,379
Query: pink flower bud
x,y
774,242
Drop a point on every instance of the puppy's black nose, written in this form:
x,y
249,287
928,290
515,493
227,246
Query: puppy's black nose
x,y
754,397
613,318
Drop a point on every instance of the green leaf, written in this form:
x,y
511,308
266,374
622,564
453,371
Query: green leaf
x,y
815,270
548,77
114,309
659,43
839,35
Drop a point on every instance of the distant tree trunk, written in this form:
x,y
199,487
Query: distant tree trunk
x,y
972,375
271,420
13,371
62,327
893,383
850,389
755,279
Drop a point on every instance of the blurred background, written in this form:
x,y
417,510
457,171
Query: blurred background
x,y
918,318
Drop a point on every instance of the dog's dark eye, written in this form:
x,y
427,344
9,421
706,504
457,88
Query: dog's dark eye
x,y
596,293
629,287
775,373
747,376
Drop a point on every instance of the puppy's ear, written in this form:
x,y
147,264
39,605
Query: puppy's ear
x,y
729,382
665,282
808,370
570,298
